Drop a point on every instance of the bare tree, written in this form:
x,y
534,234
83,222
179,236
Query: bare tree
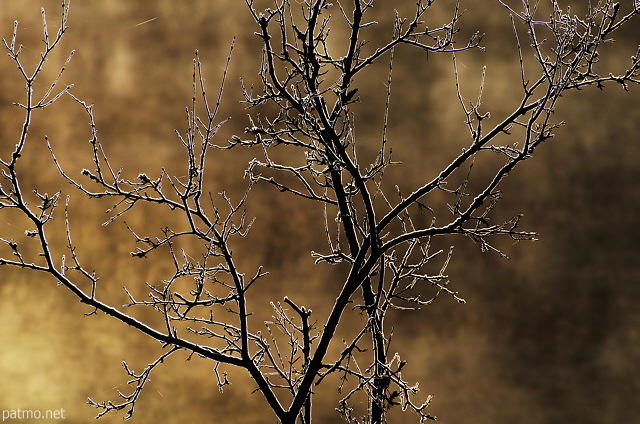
x,y
309,82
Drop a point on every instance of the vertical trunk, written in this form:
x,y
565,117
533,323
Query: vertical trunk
x,y
380,379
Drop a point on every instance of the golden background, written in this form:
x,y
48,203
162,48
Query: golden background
x,y
551,335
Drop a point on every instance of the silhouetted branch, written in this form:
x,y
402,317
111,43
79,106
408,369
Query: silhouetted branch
x,y
304,106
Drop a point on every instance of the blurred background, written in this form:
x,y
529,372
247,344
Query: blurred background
x,y
550,335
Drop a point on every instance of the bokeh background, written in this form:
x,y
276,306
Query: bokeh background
x,y
550,335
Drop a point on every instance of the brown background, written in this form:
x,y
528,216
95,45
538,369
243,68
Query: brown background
x,y
551,335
